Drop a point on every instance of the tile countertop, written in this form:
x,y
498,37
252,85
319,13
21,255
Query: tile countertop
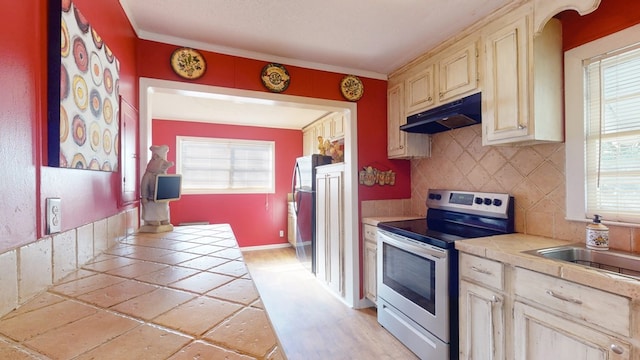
x,y
374,220
508,249
178,295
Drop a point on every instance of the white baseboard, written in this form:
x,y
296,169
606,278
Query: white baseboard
x,y
265,247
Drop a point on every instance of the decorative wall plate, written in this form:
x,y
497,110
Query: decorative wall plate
x,y
188,63
275,77
351,88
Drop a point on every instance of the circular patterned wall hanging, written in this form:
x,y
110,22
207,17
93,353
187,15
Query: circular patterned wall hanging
x,y
351,88
188,63
275,77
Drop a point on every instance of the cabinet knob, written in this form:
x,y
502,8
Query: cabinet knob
x,y
617,349
429,99
520,126
495,300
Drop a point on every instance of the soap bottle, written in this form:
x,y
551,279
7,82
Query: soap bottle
x,y
597,234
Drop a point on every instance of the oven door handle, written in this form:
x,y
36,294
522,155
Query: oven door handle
x,y
406,244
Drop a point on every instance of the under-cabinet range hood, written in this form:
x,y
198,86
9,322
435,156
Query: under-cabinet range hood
x,y
456,114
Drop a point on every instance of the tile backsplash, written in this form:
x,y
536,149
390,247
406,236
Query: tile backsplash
x,y
534,175
31,269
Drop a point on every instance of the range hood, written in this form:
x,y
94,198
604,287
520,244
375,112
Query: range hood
x,y
456,114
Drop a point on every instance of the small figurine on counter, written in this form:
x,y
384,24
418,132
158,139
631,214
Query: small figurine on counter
x,y
155,214
323,145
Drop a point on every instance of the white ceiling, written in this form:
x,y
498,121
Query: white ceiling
x,y
369,38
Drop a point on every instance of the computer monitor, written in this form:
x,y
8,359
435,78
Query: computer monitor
x,y
168,187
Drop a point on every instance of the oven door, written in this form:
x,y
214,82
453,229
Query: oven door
x,y
413,278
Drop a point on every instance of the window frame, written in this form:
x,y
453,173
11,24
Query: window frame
x,y
575,162
208,191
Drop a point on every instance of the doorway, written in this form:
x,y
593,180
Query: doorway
x,y
150,88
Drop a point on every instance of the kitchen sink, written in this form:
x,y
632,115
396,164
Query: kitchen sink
x,y
620,262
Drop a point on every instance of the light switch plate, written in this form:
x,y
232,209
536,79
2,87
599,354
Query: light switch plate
x,y
54,220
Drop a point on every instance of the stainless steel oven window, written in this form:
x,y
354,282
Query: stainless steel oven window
x,y
410,275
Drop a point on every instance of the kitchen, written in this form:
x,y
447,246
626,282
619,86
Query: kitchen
x,y
535,189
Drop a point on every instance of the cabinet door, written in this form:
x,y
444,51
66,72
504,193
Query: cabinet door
x,y
337,126
329,229
541,336
505,95
335,232
370,268
458,73
321,228
419,91
395,117
482,323
323,128
309,142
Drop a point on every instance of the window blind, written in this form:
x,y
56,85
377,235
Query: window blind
x,y
213,165
612,136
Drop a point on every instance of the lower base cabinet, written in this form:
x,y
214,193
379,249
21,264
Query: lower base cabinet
x,y
540,335
508,312
482,323
370,266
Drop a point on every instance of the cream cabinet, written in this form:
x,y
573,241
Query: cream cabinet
x,y
420,90
330,226
309,141
336,126
540,335
457,72
400,144
330,127
522,86
370,261
508,312
482,309
559,319
446,76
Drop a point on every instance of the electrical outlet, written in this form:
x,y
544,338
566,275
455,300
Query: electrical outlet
x,y
54,212
281,233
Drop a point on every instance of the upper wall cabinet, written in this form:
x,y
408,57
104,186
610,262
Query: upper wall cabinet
x,y
457,72
522,85
330,127
400,144
420,90
444,77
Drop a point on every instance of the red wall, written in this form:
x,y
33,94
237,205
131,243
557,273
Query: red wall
x,y
86,195
241,73
611,16
256,219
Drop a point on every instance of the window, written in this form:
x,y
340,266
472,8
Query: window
x,y
215,166
603,128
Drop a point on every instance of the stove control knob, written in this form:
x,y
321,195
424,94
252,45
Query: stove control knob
x,y
487,201
432,196
479,200
497,202
438,197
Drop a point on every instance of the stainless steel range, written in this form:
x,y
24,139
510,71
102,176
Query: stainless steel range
x,y
418,267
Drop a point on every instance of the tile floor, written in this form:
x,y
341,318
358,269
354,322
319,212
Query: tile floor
x,y
185,294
